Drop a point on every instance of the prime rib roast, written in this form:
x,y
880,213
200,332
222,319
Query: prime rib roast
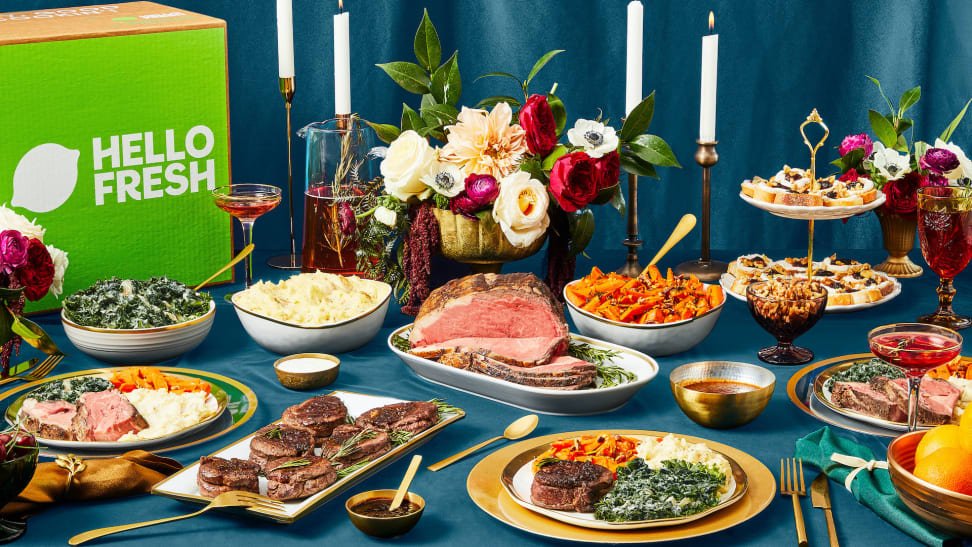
x,y
319,414
278,441
509,326
888,399
218,475
412,417
48,419
570,486
105,416
287,483
372,445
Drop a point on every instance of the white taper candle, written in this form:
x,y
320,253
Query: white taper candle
x,y
285,38
342,64
632,89
710,62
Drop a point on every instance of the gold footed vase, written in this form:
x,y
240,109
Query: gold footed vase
x,y
481,244
898,233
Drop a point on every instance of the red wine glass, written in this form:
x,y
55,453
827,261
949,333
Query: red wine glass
x,y
945,232
247,202
915,348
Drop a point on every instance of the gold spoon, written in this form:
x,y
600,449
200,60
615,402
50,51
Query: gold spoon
x,y
681,230
516,430
243,254
406,481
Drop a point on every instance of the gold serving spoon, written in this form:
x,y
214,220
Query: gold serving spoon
x,y
516,430
406,482
243,254
681,230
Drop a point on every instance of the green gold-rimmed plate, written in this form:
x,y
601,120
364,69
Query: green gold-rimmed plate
x,y
236,404
517,478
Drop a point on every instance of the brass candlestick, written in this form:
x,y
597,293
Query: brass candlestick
x,y
631,267
705,268
291,261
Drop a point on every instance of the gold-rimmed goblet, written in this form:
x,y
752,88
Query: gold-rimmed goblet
x,y
945,232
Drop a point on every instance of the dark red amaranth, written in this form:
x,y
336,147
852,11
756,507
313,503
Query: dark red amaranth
x,y
560,266
420,242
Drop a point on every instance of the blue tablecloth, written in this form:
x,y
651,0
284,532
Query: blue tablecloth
x,y
451,517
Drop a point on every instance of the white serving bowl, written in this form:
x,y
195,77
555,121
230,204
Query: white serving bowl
x,y
140,346
655,340
286,338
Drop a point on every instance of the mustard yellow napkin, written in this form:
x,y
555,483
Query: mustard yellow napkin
x,y
131,473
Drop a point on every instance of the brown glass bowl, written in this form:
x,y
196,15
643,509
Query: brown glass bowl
x,y
722,410
307,380
785,319
943,509
384,527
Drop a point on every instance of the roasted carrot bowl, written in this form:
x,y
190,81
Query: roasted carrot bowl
x,y
654,313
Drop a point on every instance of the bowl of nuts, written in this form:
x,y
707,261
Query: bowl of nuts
x,y
786,309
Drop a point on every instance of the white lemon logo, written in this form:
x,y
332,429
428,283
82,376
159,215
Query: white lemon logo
x,y
45,177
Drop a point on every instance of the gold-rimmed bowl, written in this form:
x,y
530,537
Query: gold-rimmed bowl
x,y
311,379
722,410
944,509
384,527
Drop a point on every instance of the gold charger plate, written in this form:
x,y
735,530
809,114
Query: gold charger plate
x,y
486,489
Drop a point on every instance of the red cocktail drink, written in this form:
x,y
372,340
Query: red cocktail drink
x,y
945,232
247,202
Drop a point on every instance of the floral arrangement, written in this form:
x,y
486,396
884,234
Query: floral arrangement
x,y
507,161
29,270
897,167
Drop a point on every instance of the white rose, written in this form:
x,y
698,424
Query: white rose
x,y
521,208
593,137
60,260
386,216
9,220
445,178
964,170
407,159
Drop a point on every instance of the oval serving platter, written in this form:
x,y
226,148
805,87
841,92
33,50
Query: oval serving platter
x,y
517,478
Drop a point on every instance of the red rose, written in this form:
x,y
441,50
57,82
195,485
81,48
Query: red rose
x,y
38,274
850,176
606,170
901,196
573,181
537,120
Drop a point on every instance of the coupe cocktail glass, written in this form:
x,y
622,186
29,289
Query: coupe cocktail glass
x,y
247,202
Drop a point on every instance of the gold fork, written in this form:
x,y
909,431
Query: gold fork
x,y
788,487
233,498
40,371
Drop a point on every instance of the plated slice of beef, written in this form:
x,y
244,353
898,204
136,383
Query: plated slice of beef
x,y
863,398
563,372
277,441
521,352
288,482
48,419
105,416
319,414
412,416
370,445
217,475
936,398
571,486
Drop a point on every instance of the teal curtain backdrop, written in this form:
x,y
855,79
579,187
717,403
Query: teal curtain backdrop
x,y
778,59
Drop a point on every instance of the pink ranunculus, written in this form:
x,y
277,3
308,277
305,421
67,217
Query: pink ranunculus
x,y
13,250
850,176
939,161
482,189
464,205
853,142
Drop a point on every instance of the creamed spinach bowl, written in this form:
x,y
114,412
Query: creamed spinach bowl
x,y
136,322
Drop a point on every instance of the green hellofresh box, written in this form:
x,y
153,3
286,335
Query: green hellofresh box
x,y
113,131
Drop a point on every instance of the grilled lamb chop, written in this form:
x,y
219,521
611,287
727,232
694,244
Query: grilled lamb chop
x,y
372,444
863,398
413,416
218,475
278,441
48,419
570,486
105,416
287,483
319,414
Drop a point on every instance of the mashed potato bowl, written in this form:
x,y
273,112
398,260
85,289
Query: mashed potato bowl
x,y
288,337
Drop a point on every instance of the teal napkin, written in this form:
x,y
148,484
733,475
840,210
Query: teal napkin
x,y
872,488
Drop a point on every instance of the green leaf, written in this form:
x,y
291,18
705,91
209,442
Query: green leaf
x,y
502,75
411,119
428,51
446,83
851,160
490,102
908,99
886,99
386,132
35,336
654,150
901,145
904,124
636,166
617,201
882,128
606,194
439,114
638,120
427,99
552,158
535,170
947,134
410,76
559,112
920,148
540,64
581,230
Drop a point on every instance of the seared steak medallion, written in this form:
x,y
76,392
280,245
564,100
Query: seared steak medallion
x,y
287,482
105,416
277,441
570,486
218,475
371,445
413,417
319,414
48,419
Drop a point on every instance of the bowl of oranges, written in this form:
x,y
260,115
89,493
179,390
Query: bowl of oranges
x,y
932,473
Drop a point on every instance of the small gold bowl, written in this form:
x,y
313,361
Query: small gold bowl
x,y
944,509
722,410
311,379
384,527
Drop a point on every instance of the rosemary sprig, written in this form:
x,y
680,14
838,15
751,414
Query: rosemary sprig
x,y
547,461
272,434
357,466
399,438
444,407
349,446
293,463
401,343
349,419
587,352
613,375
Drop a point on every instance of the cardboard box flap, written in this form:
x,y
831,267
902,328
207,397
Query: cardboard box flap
x,y
98,21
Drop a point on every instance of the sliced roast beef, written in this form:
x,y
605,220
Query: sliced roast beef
x,y
413,417
522,352
319,414
370,445
217,475
562,372
48,419
516,305
290,478
105,416
863,398
936,398
570,486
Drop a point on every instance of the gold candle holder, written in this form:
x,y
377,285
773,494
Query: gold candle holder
x,y
705,268
293,260
631,267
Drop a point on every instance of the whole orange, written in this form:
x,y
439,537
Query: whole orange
x,y
949,468
943,436
966,426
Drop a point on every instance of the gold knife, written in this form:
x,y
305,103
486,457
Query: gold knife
x,y
820,496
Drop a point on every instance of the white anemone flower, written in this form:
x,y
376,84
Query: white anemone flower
x,y
445,178
386,216
891,164
594,137
964,170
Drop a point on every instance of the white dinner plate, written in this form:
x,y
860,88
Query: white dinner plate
x,y
820,212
